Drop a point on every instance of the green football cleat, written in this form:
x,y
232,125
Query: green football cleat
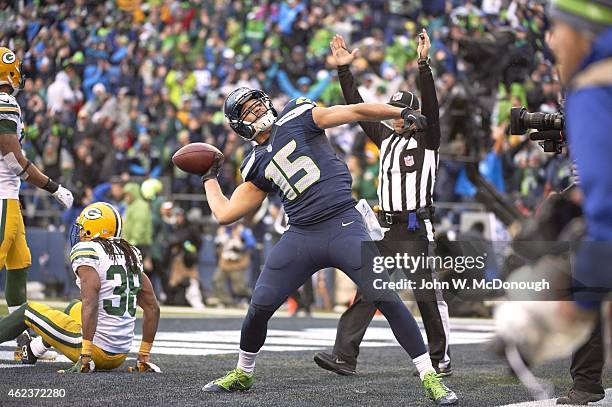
x,y
235,380
438,392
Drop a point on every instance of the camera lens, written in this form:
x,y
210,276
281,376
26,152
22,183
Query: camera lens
x,y
516,120
521,121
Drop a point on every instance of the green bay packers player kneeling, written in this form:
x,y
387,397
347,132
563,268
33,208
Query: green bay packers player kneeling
x,y
96,332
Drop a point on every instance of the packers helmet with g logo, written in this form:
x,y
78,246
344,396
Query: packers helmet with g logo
x,y
99,219
10,70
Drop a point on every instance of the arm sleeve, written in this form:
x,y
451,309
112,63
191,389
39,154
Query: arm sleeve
x,y
375,131
430,107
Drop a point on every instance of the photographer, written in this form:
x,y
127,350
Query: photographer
x,y
582,44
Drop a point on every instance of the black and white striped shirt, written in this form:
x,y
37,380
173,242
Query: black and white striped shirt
x,y
407,173
408,163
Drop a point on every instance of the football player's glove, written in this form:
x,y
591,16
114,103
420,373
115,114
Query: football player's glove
x,y
144,367
64,197
213,171
83,365
411,116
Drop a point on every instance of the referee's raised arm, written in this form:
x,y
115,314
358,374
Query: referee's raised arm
x,y
375,131
429,99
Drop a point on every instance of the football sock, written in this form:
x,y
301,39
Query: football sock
x,y
13,325
246,361
15,290
38,347
423,365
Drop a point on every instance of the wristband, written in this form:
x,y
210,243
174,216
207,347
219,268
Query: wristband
x,y
145,348
86,348
52,188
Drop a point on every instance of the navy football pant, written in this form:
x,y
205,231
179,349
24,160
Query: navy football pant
x,y
302,251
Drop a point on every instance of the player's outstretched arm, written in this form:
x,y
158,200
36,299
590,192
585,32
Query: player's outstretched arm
x,y
245,199
23,168
90,290
148,302
326,117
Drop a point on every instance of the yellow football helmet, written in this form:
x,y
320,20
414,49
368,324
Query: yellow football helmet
x,y
10,70
99,219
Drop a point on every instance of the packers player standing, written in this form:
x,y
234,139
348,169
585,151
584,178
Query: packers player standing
x,y
14,167
109,274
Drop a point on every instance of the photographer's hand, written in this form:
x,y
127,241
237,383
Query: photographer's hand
x,y
424,45
342,55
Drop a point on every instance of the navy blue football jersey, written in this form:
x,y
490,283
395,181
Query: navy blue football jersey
x,y
299,164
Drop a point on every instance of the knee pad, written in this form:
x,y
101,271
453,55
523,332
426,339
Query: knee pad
x,y
266,298
390,300
258,314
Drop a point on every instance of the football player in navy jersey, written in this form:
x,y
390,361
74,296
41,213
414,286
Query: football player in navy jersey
x,y
293,158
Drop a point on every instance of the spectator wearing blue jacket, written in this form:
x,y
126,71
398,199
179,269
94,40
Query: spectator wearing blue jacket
x,y
304,87
111,192
289,10
582,43
144,158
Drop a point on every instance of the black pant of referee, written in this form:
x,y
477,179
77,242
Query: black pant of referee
x,y
356,319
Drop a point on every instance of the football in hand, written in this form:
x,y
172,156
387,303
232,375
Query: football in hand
x,y
195,158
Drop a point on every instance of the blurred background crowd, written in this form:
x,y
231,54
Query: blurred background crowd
x,y
116,87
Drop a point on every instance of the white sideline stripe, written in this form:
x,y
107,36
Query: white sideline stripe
x,y
313,336
551,402
51,329
234,346
203,343
9,355
8,366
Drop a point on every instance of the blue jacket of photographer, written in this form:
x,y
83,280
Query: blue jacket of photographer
x,y
588,113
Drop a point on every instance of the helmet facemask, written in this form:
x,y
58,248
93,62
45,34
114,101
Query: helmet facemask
x,y
21,83
262,122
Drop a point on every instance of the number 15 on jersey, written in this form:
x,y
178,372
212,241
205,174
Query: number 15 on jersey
x,y
281,169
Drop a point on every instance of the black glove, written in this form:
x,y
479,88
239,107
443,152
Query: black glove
x,y
413,117
213,171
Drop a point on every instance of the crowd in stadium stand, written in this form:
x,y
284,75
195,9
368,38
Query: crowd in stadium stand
x,y
116,87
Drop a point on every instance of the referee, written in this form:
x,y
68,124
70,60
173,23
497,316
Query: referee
x,y
408,166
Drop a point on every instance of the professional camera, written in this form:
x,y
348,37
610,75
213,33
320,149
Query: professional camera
x,y
550,126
